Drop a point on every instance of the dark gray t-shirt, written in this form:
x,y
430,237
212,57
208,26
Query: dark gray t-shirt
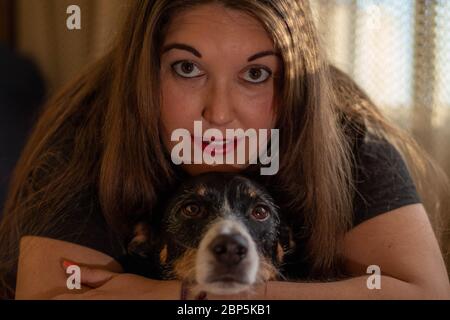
x,y
383,182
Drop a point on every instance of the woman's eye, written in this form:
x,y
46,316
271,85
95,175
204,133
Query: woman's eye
x,y
257,75
192,211
186,69
260,213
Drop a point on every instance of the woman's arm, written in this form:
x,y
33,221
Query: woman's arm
x,y
40,274
401,242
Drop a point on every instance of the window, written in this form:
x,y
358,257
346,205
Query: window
x,y
398,51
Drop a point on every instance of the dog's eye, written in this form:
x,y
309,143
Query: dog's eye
x,y
260,213
192,211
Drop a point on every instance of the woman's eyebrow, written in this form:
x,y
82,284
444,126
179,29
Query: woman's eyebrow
x,y
263,54
182,46
195,52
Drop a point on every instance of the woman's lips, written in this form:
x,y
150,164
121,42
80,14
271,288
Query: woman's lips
x,y
217,146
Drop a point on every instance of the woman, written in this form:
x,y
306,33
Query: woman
x,y
98,158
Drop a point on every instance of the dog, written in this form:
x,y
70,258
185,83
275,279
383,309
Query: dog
x,y
219,233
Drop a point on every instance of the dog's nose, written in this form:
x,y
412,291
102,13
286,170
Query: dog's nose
x,y
229,249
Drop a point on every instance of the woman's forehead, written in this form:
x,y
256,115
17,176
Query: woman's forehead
x,y
208,24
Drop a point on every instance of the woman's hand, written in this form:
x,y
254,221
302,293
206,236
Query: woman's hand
x,y
99,284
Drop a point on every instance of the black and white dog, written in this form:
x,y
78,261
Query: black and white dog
x,y
219,233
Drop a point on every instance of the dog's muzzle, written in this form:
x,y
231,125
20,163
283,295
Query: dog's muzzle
x,y
227,259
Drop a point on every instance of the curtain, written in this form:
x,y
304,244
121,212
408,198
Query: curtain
x,y
42,34
398,51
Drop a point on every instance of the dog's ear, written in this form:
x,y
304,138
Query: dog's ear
x,y
145,240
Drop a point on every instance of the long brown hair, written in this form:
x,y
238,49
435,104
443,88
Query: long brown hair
x,y
100,135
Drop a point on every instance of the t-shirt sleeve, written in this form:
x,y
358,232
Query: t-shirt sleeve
x,y
382,181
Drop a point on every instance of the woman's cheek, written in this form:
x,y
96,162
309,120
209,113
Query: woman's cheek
x,y
179,106
257,112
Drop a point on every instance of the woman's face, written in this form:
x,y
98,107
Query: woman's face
x,y
217,67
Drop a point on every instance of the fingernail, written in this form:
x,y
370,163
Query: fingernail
x,y
67,264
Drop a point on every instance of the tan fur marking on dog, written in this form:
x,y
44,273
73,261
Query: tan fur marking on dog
x,y
163,255
252,193
280,252
141,233
201,191
184,267
266,271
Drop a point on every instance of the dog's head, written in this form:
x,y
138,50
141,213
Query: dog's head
x,y
220,232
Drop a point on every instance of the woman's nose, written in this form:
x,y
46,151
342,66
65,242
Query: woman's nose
x,y
218,107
